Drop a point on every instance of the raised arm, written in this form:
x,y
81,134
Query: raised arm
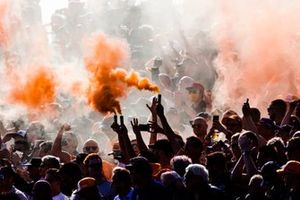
x,y
56,149
168,131
136,129
152,108
248,123
123,138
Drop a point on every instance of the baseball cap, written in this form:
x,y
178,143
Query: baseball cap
x,y
35,162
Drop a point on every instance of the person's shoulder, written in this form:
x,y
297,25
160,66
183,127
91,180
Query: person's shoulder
x,y
216,190
155,183
60,196
74,195
20,194
65,197
157,188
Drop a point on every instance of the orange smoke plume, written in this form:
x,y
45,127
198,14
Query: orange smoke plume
x,y
3,24
108,83
259,47
37,89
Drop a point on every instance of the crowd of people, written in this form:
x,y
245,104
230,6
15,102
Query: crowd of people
x,y
235,157
171,146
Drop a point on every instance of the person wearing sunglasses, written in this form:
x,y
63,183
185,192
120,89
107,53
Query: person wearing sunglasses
x,y
199,126
196,100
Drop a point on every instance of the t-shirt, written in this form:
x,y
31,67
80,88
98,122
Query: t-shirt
x,y
153,191
107,169
127,197
60,196
105,189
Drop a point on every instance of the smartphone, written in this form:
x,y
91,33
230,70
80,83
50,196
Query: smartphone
x,y
159,98
122,120
144,127
216,118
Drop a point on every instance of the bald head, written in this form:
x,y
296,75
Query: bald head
x,y
90,146
199,126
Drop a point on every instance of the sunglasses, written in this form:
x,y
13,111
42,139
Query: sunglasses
x,y
91,148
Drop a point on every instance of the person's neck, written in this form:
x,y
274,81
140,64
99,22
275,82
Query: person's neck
x,y
56,193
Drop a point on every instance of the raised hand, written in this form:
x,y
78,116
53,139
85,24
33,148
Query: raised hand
x,y
115,126
218,126
66,127
155,128
246,109
119,128
153,106
123,129
135,126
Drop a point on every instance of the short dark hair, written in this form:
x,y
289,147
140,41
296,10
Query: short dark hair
x,y
71,169
165,146
50,161
54,174
7,172
255,114
92,156
121,174
80,158
194,142
140,165
216,158
179,163
280,105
